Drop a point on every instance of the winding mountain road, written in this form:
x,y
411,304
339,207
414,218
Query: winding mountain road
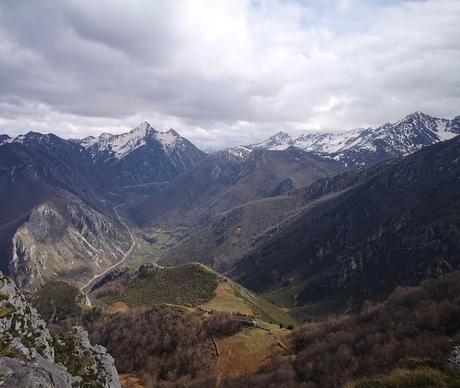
x,y
125,258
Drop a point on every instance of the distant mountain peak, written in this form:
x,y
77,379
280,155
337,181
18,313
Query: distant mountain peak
x,y
417,113
118,146
280,140
417,116
283,134
143,128
359,146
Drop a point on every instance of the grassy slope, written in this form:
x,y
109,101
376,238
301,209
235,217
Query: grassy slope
x,y
231,297
247,350
150,244
195,285
188,285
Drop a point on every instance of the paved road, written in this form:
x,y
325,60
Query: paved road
x,y
126,256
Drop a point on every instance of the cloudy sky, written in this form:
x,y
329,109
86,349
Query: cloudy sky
x,y
225,72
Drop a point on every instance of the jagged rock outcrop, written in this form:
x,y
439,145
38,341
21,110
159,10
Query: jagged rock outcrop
x,y
26,351
22,329
39,373
65,238
30,357
102,364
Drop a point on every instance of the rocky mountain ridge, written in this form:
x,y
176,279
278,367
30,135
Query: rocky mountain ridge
x,y
362,146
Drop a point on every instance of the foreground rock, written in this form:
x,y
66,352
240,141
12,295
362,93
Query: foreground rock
x,y
30,357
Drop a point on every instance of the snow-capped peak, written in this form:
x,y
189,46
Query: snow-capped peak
x,y
280,140
403,137
119,146
143,127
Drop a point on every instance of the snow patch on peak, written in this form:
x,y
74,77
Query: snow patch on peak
x,y
443,130
173,131
278,141
238,152
142,127
19,139
167,139
119,146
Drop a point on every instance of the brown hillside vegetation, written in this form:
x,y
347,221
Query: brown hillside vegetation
x,y
163,344
404,341
413,322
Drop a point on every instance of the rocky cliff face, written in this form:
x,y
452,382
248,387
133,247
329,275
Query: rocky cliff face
x,y
65,238
29,356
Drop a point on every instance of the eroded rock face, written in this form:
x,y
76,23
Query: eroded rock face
x,y
65,237
27,262
30,357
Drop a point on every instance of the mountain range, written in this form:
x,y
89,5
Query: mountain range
x,y
361,146
60,196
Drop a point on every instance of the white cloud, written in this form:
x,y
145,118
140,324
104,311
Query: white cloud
x,y
225,72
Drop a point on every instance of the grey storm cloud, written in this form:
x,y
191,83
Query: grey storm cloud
x,y
225,72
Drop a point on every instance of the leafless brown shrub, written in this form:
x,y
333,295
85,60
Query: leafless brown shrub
x,y
412,322
222,324
160,344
